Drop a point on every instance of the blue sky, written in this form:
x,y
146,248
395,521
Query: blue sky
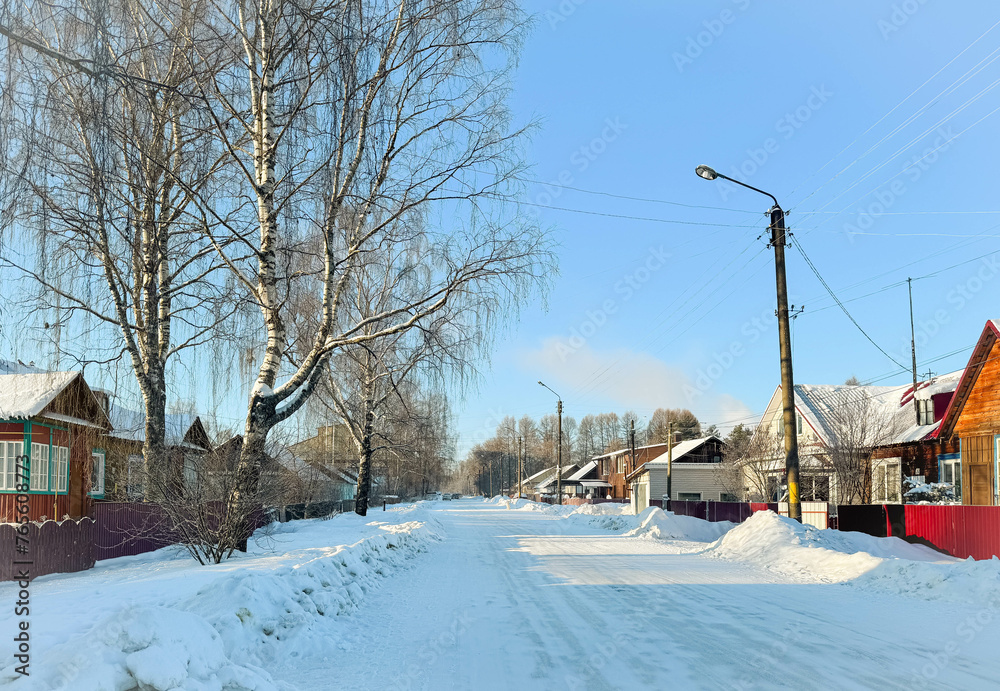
x,y
873,124
865,120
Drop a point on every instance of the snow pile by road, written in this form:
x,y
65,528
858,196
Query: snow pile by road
x,y
656,523
607,516
803,551
216,627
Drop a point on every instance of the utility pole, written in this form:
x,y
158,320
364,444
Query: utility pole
x,y
559,456
787,382
777,228
913,350
632,445
520,466
559,445
670,463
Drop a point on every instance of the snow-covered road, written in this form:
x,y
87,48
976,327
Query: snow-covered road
x,y
525,600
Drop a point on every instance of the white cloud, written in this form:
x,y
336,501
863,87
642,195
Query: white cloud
x,y
630,379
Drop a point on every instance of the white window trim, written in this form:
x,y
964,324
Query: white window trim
x,y
134,488
698,499
60,468
881,494
8,464
98,472
39,476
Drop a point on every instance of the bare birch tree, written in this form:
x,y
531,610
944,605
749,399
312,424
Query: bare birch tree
x,y
858,422
113,152
362,125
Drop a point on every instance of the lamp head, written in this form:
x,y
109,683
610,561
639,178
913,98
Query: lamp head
x,y
706,172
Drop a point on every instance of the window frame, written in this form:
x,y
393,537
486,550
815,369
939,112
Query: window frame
x,y
8,464
134,487
884,465
97,490
39,479
681,494
954,462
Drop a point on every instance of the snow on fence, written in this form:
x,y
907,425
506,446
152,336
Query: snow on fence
x,y
52,547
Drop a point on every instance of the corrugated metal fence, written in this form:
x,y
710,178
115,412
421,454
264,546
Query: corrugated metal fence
x,y
50,547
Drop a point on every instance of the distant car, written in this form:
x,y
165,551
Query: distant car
x,y
456,495
446,496
432,496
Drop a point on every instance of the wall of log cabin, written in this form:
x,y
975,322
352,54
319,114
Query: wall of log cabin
x,y
981,413
918,458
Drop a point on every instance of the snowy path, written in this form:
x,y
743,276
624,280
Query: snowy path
x,y
523,600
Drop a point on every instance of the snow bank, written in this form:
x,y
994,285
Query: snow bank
x,y
220,632
656,523
803,551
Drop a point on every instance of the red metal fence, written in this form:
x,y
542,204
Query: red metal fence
x,y
962,531
51,547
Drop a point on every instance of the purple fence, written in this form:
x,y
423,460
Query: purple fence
x,y
51,547
129,528
736,512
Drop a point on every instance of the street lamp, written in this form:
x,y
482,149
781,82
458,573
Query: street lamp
x,y
784,342
559,447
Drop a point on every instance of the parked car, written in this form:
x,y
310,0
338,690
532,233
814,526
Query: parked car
x,y
446,496
456,495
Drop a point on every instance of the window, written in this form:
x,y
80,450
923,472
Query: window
x,y
798,424
97,473
886,481
39,467
951,472
135,488
925,411
689,496
60,471
726,496
9,451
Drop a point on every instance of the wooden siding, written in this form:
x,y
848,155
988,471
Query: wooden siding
x,y
918,458
980,414
48,505
977,470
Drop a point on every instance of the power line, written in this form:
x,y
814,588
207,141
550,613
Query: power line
x,y
798,245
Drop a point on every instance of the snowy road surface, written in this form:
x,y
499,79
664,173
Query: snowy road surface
x,y
523,600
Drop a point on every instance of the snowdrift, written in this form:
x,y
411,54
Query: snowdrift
x,y
219,636
656,523
803,551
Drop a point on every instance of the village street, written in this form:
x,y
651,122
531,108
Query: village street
x,y
524,600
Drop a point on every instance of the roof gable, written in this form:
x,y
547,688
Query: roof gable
x,y
979,359
64,394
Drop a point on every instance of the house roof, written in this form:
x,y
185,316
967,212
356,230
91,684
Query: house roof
x,y
131,425
680,450
978,359
27,395
567,470
609,454
818,403
585,470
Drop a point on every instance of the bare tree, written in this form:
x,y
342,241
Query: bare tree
x,y
113,153
350,124
749,469
858,421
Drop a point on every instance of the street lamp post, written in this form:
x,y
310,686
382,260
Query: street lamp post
x,y
559,448
784,343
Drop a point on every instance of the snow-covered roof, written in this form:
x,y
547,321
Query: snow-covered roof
x,y
609,454
681,449
26,395
131,425
818,404
18,367
584,471
567,470
303,469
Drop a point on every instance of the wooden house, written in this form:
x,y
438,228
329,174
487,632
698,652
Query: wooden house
x,y
614,466
187,445
973,420
55,420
